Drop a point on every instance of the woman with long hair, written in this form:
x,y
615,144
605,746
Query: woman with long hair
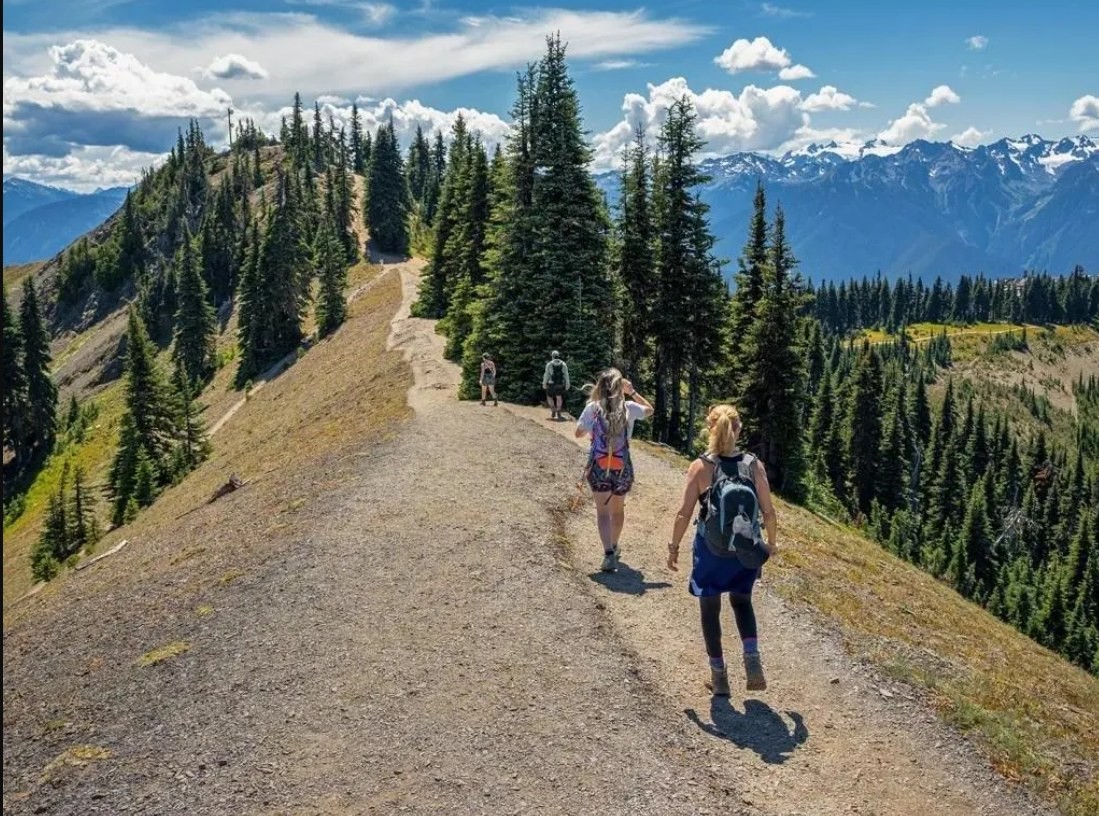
x,y
724,470
488,379
608,418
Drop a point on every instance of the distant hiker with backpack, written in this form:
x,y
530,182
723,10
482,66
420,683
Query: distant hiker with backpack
x,y
488,379
613,407
556,382
733,495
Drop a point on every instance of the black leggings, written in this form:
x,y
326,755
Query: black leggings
x,y
710,607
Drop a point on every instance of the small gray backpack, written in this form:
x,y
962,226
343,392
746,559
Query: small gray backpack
x,y
730,515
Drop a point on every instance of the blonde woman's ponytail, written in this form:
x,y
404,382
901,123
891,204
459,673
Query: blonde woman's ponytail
x,y
724,426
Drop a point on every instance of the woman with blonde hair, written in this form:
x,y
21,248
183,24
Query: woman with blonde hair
x,y
613,407
733,493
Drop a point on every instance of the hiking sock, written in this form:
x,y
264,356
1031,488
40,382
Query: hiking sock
x,y
717,663
751,646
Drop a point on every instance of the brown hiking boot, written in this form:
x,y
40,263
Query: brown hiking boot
x,y
719,682
753,671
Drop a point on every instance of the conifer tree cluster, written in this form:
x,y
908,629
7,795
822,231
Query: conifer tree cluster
x,y
973,496
30,396
71,525
1037,299
161,437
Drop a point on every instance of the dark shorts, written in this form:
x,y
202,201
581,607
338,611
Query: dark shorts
x,y
555,390
712,575
488,379
617,482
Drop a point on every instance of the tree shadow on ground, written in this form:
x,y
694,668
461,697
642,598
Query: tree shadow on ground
x,y
627,580
760,728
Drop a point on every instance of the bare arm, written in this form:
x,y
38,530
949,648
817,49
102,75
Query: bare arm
x,y
640,400
686,509
770,519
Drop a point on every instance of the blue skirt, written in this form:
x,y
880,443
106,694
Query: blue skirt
x,y
713,575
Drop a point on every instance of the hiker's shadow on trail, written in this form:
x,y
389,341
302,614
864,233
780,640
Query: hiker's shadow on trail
x,y
759,728
627,580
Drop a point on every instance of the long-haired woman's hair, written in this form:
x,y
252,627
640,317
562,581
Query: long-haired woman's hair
x,y
724,429
607,392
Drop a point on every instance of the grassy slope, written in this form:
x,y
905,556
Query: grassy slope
x,y
96,452
14,274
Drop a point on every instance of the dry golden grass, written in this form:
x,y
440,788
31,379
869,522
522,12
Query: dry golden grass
x,y
14,274
166,652
1035,715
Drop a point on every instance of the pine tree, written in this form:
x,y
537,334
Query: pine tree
x,y
419,166
387,205
468,251
863,429
689,307
274,294
892,464
131,246
971,567
749,277
15,384
148,426
550,287
193,352
439,279
192,445
636,259
40,422
357,157
773,391
328,262
825,437
83,526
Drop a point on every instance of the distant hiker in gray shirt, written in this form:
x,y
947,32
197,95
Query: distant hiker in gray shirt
x,y
556,383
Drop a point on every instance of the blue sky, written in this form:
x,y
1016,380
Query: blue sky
x,y
94,90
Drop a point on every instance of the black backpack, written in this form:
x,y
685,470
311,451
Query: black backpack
x,y
557,373
730,515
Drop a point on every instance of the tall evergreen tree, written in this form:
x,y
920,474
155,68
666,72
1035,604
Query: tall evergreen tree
x,y
550,283
636,259
40,423
863,429
769,354
439,279
328,261
15,383
468,250
387,205
193,352
357,156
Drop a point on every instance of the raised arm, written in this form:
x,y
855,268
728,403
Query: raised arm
x,y
686,510
767,506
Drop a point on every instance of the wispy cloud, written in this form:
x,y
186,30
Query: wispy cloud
x,y
978,42
619,64
305,53
780,12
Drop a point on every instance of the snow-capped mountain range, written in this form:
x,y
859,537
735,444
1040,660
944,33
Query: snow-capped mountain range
x,y
928,208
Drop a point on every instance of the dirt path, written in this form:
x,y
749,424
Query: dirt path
x,y
420,638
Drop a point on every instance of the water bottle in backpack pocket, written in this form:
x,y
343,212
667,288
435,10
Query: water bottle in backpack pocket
x,y
730,515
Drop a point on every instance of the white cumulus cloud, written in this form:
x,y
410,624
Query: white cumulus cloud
x,y
829,97
795,72
234,66
754,119
942,95
915,124
978,42
970,137
378,13
753,55
96,95
1085,113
